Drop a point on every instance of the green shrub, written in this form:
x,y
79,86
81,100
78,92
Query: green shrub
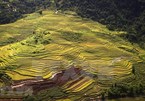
x,y
71,36
30,98
124,90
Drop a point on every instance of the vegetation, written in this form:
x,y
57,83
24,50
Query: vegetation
x,y
8,41
126,90
11,10
51,94
135,88
125,15
30,98
70,36
4,78
43,43
48,49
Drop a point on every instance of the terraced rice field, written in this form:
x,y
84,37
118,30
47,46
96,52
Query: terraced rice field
x,y
69,41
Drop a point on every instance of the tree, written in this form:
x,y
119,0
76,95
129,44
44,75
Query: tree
x,y
11,10
133,70
40,12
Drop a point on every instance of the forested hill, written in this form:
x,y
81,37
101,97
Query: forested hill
x,y
114,12
126,15
11,10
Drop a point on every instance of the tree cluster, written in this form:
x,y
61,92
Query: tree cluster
x,y
128,15
125,90
11,10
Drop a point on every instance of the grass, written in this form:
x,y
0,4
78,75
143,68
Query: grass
x,y
42,45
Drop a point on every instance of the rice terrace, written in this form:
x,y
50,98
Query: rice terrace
x,y
61,56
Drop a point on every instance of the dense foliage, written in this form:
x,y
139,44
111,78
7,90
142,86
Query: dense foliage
x,y
124,90
126,15
135,88
11,10
4,78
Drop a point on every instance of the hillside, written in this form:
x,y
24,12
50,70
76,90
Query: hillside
x,y
127,15
77,58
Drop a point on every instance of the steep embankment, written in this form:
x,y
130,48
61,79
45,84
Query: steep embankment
x,y
44,45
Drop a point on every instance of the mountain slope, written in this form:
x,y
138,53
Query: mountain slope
x,y
49,44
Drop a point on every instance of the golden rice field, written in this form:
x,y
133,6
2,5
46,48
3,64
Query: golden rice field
x,y
71,41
